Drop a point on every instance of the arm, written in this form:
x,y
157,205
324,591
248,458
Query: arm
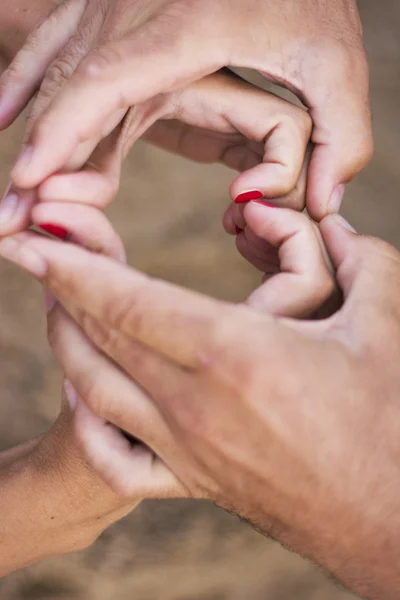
x,y
314,48
293,424
51,500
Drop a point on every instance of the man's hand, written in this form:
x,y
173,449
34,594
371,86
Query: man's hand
x,y
17,21
290,423
70,505
99,58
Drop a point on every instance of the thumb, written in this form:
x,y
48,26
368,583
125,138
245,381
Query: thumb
x,y
342,134
304,282
101,86
367,269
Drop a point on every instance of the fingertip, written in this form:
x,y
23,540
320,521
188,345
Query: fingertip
x,y
228,222
337,234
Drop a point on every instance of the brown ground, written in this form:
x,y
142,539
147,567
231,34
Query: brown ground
x,y
169,214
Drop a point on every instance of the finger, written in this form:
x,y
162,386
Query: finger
x,y
173,321
233,219
107,507
15,210
261,135
97,185
258,252
305,281
57,75
92,375
87,227
128,407
26,72
101,86
278,174
368,269
228,221
342,134
131,470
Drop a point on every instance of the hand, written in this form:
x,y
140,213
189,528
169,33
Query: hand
x,y
220,118
292,424
69,503
98,59
16,22
51,499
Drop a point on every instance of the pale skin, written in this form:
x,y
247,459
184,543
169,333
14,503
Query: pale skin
x,y
84,55
319,470
293,424
88,504
51,499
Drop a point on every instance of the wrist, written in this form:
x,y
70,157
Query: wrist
x,y
51,501
79,505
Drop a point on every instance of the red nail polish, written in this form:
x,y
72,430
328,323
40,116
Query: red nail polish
x,y
248,196
238,230
55,230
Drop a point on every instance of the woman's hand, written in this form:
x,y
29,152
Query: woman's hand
x,y
292,424
51,500
97,59
218,119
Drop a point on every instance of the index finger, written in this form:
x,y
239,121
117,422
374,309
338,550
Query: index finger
x,y
101,86
176,322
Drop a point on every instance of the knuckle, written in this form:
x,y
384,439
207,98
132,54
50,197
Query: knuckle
x,y
128,313
215,353
101,336
56,75
101,62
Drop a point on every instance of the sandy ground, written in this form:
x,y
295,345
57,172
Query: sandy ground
x,y
169,214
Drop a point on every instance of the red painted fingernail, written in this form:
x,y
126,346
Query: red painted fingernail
x,y
238,230
265,203
248,196
56,230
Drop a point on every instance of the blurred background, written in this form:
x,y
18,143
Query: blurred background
x,y
169,215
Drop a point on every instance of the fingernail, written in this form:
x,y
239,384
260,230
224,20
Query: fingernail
x,y
238,230
336,199
248,196
71,395
24,160
49,301
54,230
343,223
12,250
8,207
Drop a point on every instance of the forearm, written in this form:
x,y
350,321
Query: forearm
x,y
31,526
51,502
